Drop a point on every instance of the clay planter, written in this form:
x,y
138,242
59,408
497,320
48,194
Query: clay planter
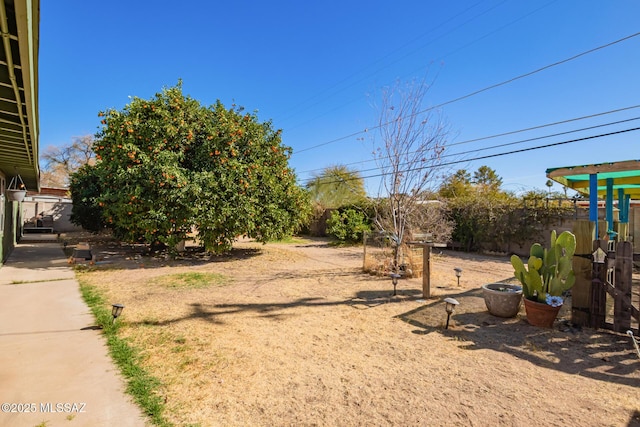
x,y
539,314
501,299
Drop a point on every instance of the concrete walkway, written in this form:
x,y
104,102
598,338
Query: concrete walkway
x,y
52,363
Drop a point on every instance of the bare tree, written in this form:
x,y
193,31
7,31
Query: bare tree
x,y
409,155
61,162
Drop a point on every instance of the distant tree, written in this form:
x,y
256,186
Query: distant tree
x,y
168,166
336,186
535,195
456,185
409,156
476,205
61,162
462,183
487,178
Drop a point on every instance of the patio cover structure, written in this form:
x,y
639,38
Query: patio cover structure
x,y
20,30
619,180
19,25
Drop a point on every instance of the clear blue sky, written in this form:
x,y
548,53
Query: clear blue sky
x,y
314,68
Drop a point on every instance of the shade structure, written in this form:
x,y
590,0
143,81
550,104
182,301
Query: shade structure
x,y
623,175
619,180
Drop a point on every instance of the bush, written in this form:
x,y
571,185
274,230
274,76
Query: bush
x,y
348,225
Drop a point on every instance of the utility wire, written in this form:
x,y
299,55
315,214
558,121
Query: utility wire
x,y
519,142
297,108
522,150
543,137
547,125
422,47
590,116
477,92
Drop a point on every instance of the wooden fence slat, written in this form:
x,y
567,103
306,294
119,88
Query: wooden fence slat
x,y
584,231
623,283
598,302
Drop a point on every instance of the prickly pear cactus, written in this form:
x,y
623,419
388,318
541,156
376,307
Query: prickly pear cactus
x,y
548,271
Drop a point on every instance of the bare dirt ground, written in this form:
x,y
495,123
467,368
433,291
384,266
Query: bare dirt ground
x,y
298,335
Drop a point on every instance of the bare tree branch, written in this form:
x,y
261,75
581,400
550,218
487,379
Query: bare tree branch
x,y
61,162
409,155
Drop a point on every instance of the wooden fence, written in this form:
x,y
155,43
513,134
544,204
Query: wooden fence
x,y
615,298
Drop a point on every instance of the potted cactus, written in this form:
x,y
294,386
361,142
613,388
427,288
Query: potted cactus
x,y
545,278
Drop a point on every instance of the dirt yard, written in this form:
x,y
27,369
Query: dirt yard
x,y
296,334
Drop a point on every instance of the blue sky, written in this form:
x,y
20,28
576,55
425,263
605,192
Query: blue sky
x,y
315,68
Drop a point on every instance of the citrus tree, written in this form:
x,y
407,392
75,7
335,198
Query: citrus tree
x,y
169,166
85,187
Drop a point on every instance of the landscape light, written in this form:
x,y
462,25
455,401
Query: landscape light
x,y
394,280
116,311
450,306
458,271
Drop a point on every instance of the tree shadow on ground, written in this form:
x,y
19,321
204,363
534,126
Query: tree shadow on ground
x,y
127,256
598,354
213,313
361,300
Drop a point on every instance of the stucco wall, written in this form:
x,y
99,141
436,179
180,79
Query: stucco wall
x,y
51,211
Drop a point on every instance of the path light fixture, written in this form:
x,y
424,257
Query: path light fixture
x,y
458,271
394,280
116,311
450,306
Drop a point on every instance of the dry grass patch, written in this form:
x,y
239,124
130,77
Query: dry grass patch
x,y
296,334
191,280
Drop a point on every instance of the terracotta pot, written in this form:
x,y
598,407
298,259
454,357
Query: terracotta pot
x,y
501,299
539,314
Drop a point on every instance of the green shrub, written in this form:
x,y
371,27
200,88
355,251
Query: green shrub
x,y
348,225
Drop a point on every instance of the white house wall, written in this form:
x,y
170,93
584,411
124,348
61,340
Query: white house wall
x,y
45,207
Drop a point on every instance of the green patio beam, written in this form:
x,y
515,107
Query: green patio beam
x,y
593,200
609,208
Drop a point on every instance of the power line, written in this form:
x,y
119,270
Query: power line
x,y
590,116
297,108
522,150
477,92
489,156
525,140
547,125
544,137
422,47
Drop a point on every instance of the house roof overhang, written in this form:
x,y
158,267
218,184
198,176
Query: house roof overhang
x,y
624,175
19,27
